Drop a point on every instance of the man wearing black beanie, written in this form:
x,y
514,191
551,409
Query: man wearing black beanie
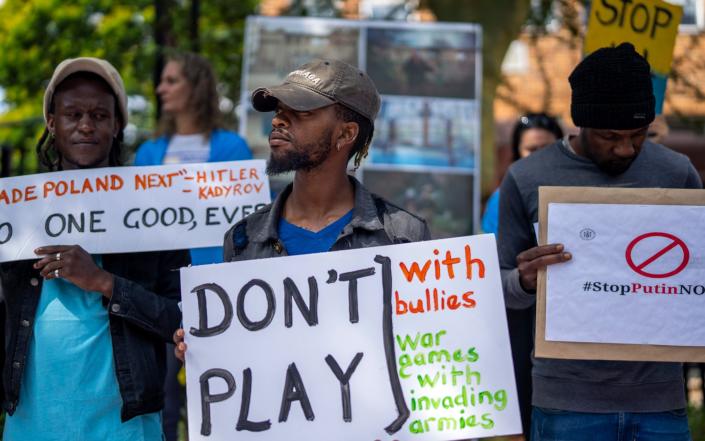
x,y
612,104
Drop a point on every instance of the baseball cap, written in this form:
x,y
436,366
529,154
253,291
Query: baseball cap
x,y
100,67
320,83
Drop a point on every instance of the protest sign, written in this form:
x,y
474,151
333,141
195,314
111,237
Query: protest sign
x,y
128,209
633,289
650,25
404,342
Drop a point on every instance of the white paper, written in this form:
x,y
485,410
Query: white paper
x,y
476,334
128,209
636,276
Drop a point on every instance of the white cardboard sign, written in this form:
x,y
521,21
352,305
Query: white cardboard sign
x,y
128,209
404,342
636,276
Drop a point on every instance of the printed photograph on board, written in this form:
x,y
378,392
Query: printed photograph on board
x,y
439,63
275,48
425,131
444,200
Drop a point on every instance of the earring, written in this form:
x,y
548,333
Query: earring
x,y
337,146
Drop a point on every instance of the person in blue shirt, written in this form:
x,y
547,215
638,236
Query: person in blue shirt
x,y
84,353
189,131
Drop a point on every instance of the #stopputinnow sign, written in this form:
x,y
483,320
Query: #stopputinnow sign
x,y
636,276
404,342
128,209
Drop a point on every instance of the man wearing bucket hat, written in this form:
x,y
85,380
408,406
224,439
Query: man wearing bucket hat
x,y
324,116
85,353
613,105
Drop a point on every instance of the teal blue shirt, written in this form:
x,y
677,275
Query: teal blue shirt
x,y
69,391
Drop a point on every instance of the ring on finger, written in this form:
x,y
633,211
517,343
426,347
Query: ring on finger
x,y
56,273
58,256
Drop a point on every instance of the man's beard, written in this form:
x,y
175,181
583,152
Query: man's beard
x,y
617,167
301,157
614,167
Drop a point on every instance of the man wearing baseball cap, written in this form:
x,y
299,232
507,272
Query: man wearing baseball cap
x,y
324,116
613,105
84,350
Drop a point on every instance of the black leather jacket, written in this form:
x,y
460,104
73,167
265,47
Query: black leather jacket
x,y
143,314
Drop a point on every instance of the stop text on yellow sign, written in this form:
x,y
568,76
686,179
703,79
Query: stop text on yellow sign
x,y
650,25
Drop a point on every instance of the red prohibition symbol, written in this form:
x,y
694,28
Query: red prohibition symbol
x,y
639,267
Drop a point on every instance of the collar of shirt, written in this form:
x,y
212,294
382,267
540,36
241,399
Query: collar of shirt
x,y
364,215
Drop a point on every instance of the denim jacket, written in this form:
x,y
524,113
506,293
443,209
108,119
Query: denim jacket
x,y
375,222
143,314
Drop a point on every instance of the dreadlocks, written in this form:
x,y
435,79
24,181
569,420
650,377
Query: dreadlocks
x,y
364,137
47,152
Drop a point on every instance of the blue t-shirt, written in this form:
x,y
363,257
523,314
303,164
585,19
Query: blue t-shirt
x,y
69,390
299,240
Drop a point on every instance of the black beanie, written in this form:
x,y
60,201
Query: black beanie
x,y
612,90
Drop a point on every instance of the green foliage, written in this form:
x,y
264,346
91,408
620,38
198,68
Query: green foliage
x,y
696,418
35,35
222,34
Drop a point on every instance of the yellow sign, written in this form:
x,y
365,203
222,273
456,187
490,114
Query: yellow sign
x,y
650,25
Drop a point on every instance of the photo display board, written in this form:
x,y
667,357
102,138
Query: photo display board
x,y
425,155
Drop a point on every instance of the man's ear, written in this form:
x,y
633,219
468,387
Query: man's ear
x,y
51,123
348,134
116,126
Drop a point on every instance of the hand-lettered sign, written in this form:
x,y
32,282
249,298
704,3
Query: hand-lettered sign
x,y
650,25
128,209
405,342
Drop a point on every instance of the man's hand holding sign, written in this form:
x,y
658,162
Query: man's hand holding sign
x,y
531,261
75,265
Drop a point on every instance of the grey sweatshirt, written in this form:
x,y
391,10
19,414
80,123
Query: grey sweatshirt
x,y
586,385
